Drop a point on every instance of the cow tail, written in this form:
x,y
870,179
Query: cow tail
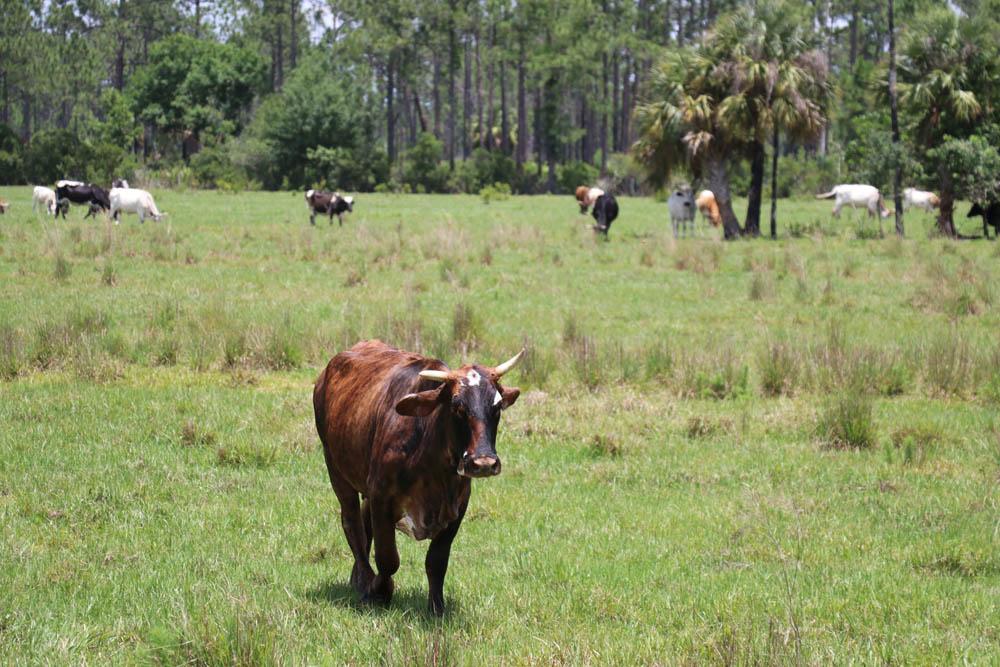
x,y
827,195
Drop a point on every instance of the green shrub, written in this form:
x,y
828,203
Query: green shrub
x,y
573,174
495,192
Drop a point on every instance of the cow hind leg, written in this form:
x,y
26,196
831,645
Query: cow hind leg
x,y
436,562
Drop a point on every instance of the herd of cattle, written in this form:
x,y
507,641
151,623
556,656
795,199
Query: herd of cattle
x,y
681,204
120,198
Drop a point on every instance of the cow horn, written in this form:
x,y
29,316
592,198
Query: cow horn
x,y
509,364
440,376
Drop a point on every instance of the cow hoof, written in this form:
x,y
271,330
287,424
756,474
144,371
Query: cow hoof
x,y
361,581
435,607
380,592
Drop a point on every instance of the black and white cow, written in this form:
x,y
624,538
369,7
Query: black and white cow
x,y
330,203
94,196
605,211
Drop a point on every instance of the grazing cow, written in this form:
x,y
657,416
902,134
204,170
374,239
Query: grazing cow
x,y
4,205
330,203
605,211
134,200
991,216
407,434
587,196
913,198
857,196
44,198
709,207
681,207
80,193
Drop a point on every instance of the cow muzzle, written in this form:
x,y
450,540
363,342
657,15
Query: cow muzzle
x,y
479,466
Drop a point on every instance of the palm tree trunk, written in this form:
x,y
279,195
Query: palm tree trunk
x,y
945,223
718,181
897,180
755,195
774,182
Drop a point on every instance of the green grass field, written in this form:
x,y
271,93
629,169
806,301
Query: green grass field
x,y
751,452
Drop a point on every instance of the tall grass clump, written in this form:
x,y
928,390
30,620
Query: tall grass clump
x,y
719,375
537,365
465,328
658,359
761,286
779,368
241,641
848,421
13,352
948,364
283,346
61,268
589,366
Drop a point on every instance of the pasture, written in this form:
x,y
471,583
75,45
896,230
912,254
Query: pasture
x,y
769,452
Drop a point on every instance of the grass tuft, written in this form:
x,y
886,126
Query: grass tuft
x,y
848,422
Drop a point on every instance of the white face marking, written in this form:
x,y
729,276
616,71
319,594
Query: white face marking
x,y
472,378
497,398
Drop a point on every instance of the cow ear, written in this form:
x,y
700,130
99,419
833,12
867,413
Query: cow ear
x,y
508,396
419,405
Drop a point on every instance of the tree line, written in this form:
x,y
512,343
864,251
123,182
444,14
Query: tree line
x,y
454,95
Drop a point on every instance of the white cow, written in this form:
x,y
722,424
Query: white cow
x,y
681,207
913,198
857,196
43,197
134,200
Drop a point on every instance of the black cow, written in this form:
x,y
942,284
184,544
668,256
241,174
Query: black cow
x,y
991,217
605,211
330,203
94,196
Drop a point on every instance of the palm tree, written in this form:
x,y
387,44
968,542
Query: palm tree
x,y
946,71
786,76
690,121
753,74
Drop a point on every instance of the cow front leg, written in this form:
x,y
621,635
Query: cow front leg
x,y
312,218
386,555
436,563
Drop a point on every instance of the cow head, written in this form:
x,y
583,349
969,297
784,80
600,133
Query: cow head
x,y
350,203
474,397
976,209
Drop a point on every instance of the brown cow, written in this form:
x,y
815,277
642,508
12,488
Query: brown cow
x,y
586,197
4,205
407,434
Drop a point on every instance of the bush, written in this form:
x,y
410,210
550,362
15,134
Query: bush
x,y
576,173
422,165
54,154
213,166
495,192
11,157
